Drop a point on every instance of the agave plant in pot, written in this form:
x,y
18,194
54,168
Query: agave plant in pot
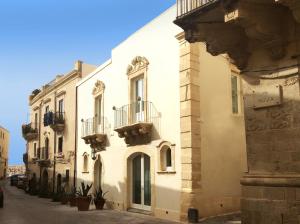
x,y
99,199
83,197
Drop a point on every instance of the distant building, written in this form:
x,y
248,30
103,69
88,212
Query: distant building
x,y
50,134
17,169
4,145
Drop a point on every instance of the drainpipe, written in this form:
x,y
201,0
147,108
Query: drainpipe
x,y
76,131
39,144
54,158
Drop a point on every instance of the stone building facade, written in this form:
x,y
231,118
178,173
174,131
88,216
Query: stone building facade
x,y
4,150
50,156
262,40
17,169
159,131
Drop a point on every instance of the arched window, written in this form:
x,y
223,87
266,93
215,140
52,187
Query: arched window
x,y
85,163
166,157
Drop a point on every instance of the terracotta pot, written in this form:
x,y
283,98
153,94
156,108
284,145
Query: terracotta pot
x,y
99,203
83,203
73,201
64,200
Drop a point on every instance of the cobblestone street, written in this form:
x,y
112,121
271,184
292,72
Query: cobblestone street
x,y
20,208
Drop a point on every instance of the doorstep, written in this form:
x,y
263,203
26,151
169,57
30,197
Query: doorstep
x,y
140,211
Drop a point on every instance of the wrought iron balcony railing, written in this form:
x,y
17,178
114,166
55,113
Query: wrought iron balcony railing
x,y
186,6
92,126
54,118
136,112
30,131
93,132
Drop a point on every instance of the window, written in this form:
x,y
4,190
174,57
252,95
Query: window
x,y
46,151
47,109
34,150
234,94
60,144
166,157
61,106
67,175
35,120
85,163
39,153
98,104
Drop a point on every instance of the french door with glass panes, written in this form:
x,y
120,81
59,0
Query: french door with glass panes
x,y
139,114
141,182
98,113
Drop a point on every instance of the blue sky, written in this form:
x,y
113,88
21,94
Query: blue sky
x,y
40,39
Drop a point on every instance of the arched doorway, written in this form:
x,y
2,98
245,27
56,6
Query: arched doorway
x,y
45,182
58,185
97,173
141,182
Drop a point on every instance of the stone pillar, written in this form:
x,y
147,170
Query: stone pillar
x,y
190,125
271,189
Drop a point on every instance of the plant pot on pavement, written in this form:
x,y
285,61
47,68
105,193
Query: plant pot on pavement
x,y
83,203
99,203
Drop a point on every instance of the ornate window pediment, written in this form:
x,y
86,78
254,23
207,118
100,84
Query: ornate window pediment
x,y
137,64
98,88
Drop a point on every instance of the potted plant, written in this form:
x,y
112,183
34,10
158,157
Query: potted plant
x,y
99,199
83,197
72,198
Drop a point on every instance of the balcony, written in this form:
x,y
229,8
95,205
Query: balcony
x,y
43,158
93,133
185,7
237,28
56,120
134,122
29,131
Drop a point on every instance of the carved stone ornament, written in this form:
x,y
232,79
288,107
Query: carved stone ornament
x,y
99,87
137,64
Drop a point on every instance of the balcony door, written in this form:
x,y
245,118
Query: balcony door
x,y
139,100
98,114
141,182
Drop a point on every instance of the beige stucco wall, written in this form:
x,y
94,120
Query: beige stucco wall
x,y
4,150
223,149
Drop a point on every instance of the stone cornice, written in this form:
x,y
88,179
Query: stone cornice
x,y
72,75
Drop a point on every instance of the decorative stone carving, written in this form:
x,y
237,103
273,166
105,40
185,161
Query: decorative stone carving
x,y
96,141
245,25
137,64
139,133
99,88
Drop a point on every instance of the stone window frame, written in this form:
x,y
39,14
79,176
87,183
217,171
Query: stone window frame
x,y
98,91
161,166
138,67
85,165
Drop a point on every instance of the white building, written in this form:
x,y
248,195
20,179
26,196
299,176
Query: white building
x,y
136,96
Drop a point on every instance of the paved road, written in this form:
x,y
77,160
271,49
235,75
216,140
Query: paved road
x,y
20,208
